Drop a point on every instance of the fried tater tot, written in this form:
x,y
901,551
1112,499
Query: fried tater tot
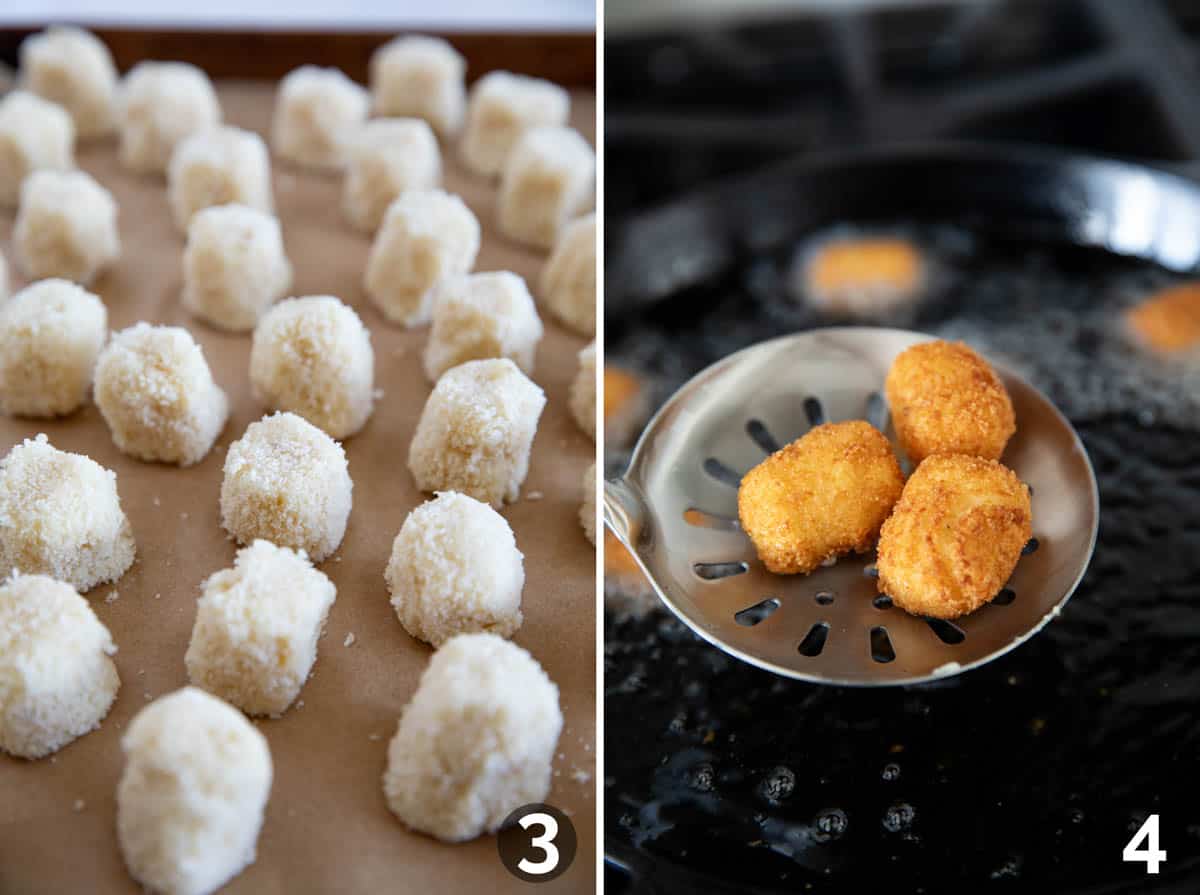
x,y
864,275
955,536
824,494
946,399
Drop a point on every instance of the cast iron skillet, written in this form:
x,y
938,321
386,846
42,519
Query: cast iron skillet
x,y
1045,198
1036,194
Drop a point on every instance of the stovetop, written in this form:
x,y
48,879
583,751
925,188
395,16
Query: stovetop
x,y
1112,77
1030,774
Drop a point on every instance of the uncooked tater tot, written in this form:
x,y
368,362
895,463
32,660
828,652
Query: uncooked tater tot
x,y
946,399
955,537
824,494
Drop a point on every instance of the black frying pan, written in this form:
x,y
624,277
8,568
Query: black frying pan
x,y
1029,774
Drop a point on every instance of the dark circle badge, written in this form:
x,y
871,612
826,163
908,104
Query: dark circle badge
x,y
537,843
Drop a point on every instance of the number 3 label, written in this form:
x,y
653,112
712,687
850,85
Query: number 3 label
x,y
537,843
1152,855
545,842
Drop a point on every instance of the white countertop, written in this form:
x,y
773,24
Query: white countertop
x,y
326,15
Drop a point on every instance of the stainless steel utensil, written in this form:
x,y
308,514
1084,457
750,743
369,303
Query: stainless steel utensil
x,y
676,510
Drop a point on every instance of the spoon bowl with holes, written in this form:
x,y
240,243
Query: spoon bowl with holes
x,y
675,509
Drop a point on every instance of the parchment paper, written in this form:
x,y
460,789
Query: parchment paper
x,y
327,827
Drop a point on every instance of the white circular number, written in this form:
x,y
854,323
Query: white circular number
x,y
545,842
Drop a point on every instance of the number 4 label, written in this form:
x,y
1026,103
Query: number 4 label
x,y
1151,854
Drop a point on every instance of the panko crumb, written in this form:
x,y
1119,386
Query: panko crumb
x,y
255,637
534,495
823,495
955,536
79,805
349,641
112,597
946,399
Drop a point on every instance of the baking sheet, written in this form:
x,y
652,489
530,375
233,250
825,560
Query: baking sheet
x,y
327,827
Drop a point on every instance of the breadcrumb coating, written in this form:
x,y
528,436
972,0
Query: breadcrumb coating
x,y
157,395
313,357
66,227
57,680
420,77
825,494
479,316
34,135
476,431
476,741
254,641
158,104
287,482
60,515
548,179
191,798
455,569
73,68
502,106
50,336
218,166
385,158
316,110
946,399
582,397
955,536
568,281
426,237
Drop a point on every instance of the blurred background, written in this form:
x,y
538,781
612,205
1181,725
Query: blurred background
x,y
464,14
261,38
752,190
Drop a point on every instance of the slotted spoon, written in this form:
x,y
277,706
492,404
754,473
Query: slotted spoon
x,y
676,510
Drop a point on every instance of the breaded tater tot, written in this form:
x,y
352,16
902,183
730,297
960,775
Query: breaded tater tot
x,y
946,399
824,494
955,536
